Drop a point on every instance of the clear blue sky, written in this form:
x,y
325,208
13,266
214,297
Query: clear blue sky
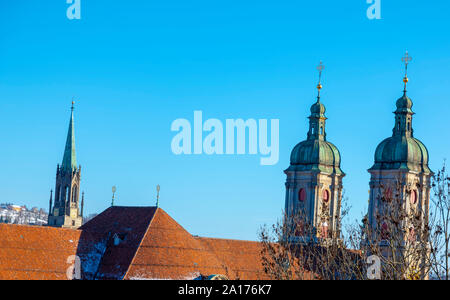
x,y
135,66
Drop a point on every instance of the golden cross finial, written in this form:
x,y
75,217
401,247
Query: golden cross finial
x,y
73,102
320,68
406,60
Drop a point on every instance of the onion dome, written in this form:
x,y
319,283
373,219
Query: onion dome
x,y
402,150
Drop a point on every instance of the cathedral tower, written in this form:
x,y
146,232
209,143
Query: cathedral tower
x,y
400,173
66,211
314,179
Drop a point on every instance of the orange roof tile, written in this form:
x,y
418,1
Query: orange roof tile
x,y
121,230
31,253
168,251
242,258
124,243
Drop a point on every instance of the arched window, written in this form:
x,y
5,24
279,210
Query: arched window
x,y
67,194
74,193
412,234
326,196
321,130
413,197
324,230
409,126
384,231
57,194
302,195
387,194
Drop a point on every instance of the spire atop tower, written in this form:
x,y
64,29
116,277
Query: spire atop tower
x,y
406,60
320,68
70,158
66,205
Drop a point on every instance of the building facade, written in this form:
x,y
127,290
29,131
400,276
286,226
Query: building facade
x,y
67,212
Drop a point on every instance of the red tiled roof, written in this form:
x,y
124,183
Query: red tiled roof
x,y
127,225
168,251
33,253
242,258
124,243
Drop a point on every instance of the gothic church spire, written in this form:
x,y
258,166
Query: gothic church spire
x,y
70,157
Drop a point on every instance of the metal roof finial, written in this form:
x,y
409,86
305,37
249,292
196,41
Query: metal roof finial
x,y
320,68
406,59
158,188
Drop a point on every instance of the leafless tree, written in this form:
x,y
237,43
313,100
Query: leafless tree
x,y
411,241
293,249
440,225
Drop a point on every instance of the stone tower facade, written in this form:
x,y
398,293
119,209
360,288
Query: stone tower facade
x,y
314,180
67,211
400,173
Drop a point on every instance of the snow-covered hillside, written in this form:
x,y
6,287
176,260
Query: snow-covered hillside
x,y
14,214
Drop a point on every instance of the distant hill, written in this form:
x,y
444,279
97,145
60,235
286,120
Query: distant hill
x,y
15,214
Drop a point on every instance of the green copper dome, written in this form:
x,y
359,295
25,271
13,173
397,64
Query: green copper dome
x,y
404,105
318,110
316,155
402,151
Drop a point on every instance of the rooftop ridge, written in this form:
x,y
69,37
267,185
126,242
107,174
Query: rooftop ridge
x,y
140,243
223,239
38,227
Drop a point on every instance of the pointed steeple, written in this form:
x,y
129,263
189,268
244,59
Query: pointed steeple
x,y
51,202
404,113
66,208
70,158
317,118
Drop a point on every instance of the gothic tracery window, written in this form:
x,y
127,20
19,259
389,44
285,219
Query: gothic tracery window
x,y
74,193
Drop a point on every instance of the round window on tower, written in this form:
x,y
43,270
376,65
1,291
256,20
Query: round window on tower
x,y
413,197
326,195
302,195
